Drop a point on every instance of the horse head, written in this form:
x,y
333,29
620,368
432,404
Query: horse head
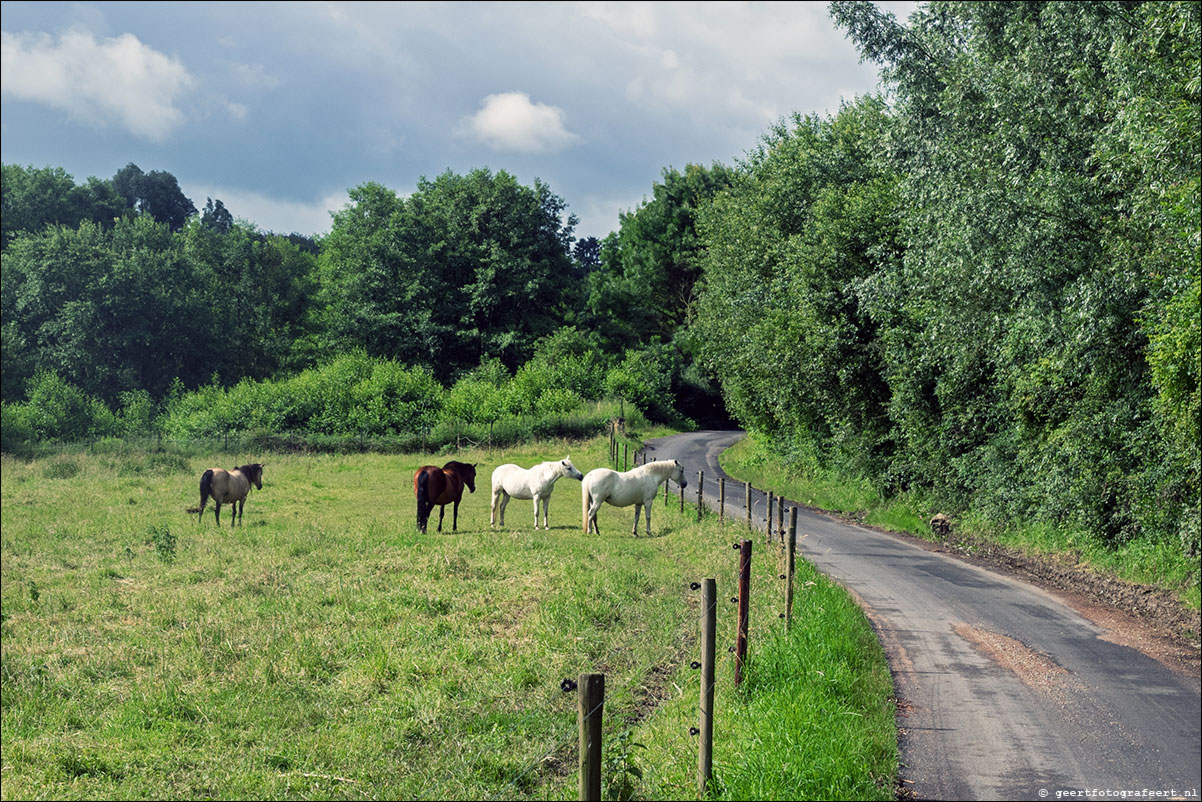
x,y
255,474
463,472
571,469
678,475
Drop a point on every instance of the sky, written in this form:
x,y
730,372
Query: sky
x,y
278,109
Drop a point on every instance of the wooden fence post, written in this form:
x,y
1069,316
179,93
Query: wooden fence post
x,y
590,695
780,521
721,499
744,609
700,489
768,519
790,563
705,751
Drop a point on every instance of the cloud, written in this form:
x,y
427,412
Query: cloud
x,y
510,121
117,81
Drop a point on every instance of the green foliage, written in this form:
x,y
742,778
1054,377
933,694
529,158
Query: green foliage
x,y
781,319
464,269
619,767
649,268
164,542
133,306
644,378
59,411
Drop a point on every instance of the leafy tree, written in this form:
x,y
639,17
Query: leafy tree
x,y
1022,330
216,216
781,320
34,198
466,268
648,270
107,311
156,193
586,253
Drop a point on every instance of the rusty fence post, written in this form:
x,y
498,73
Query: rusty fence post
x,y
744,609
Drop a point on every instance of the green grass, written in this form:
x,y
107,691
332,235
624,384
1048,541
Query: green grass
x,y
1142,561
325,649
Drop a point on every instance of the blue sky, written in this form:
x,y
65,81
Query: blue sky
x,y
279,108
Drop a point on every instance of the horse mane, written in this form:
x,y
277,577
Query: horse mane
x,y
659,467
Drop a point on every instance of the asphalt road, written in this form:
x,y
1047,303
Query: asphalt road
x,y
1005,692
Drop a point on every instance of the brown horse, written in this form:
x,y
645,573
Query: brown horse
x,y
440,487
232,486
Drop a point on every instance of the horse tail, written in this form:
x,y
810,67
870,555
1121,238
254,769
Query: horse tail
x,y
206,490
586,501
423,500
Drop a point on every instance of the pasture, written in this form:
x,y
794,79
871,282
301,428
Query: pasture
x,y
327,649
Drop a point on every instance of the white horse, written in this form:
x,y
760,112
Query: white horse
x,y
637,487
511,481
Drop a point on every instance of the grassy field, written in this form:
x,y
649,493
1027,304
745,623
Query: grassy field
x,y
1162,565
326,649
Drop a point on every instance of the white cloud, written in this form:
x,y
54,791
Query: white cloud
x,y
117,81
510,121
255,76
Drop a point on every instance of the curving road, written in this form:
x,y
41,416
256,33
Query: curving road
x,y
1004,691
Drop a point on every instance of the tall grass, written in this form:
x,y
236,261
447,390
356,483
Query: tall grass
x,y
325,649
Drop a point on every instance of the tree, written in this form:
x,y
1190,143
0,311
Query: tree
x,y
156,193
780,319
1046,246
34,198
216,216
109,311
645,283
587,254
465,269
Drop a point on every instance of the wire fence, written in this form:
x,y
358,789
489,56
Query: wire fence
x,y
624,773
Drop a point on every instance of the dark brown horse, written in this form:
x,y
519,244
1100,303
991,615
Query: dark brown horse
x,y
440,487
232,486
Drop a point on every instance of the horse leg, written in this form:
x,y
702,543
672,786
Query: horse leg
x,y
592,515
647,512
217,511
455,517
638,509
442,510
504,501
536,500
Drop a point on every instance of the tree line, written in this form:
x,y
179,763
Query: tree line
x,y
982,285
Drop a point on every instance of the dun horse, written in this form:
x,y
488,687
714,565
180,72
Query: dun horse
x,y
228,486
511,481
637,487
440,487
